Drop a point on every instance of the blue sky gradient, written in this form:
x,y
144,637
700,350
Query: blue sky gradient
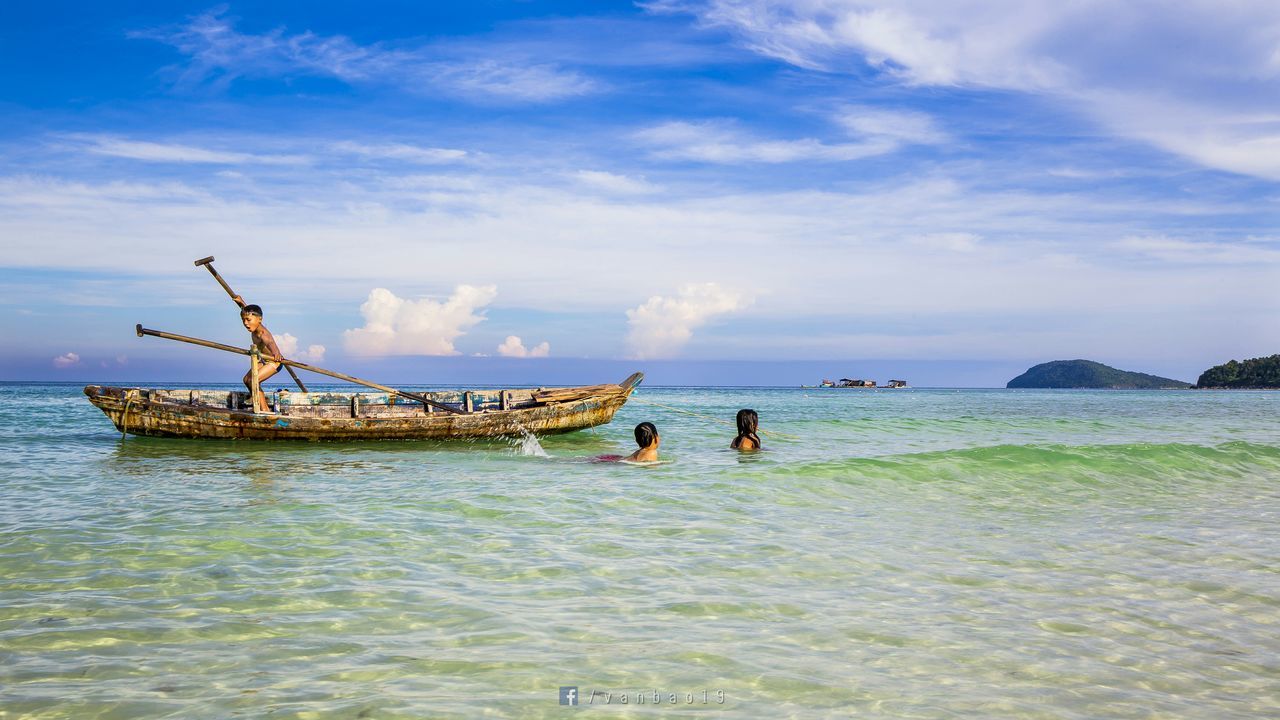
x,y
746,190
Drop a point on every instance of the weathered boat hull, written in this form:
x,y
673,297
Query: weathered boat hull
x,y
161,413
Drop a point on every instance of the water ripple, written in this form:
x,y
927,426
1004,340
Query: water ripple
x,y
918,554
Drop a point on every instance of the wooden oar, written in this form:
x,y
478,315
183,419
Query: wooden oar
x,y
303,366
208,264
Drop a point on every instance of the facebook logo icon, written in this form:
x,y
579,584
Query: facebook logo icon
x,y
569,695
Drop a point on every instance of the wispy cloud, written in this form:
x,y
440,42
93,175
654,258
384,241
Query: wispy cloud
x,y
220,54
66,360
1178,250
876,132
147,151
613,183
401,151
396,326
663,325
1193,79
930,245
948,241
511,80
890,127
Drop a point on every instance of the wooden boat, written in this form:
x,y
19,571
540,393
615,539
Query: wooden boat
x,y
361,415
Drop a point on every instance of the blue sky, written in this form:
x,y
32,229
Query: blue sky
x,y
504,190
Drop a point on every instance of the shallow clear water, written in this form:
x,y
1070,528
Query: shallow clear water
x,y
912,553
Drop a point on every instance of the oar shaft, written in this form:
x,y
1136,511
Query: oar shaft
x,y
194,341
303,366
224,284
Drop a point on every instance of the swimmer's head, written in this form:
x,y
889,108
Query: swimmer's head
x,y
646,435
748,422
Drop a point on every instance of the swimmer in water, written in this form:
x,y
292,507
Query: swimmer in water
x,y
748,436
648,440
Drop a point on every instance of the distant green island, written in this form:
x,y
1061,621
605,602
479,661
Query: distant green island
x,y
1261,373
1090,374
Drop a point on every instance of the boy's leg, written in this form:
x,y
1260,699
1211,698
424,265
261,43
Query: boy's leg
x,y
265,370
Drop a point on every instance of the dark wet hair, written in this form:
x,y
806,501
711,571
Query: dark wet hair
x,y
748,423
251,310
646,433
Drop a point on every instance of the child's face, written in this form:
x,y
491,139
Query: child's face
x,y
251,321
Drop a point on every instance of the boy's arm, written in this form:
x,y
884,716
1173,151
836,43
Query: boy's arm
x,y
270,342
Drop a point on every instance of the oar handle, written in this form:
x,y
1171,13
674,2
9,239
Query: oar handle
x,y
303,366
208,264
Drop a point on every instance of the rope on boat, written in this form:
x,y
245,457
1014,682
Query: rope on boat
x,y
722,421
124,419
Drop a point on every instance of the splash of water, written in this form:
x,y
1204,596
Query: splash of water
x,y
528,445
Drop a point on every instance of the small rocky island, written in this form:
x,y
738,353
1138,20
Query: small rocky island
x,y
1090,374
1255,374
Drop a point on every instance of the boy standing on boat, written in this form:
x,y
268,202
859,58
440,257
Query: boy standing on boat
x,y
251,316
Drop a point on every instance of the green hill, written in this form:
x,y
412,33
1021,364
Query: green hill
x,y
1089,374
1255,373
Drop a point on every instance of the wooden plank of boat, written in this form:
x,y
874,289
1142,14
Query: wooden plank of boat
x,y
550,395
357,416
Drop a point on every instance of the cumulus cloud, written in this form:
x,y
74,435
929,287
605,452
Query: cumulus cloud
x,y
66,360
396,326
288,345
220,54
513,346
663,325
1194,78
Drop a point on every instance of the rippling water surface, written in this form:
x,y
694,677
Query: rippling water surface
x,y
910,553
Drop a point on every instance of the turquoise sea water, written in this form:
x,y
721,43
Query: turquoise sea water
x,y
914,554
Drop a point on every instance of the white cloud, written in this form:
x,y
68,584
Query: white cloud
x,y
288,345
877,132
517,81
513,346
66,360
220,54
949,241
896,127
176,153
400,151
811,253
1176,250
395,326
662,326
1197,78
619,184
